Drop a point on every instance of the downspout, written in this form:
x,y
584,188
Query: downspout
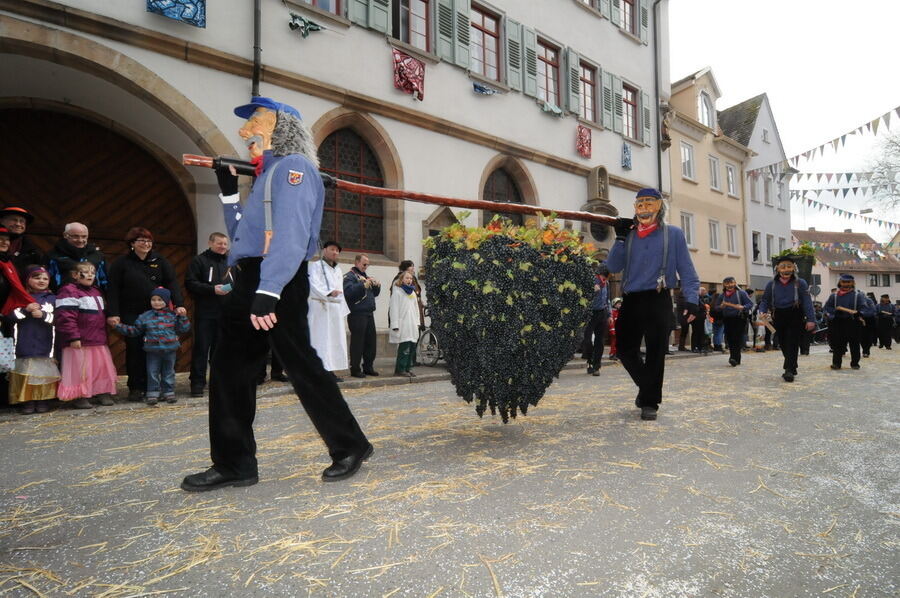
x,y
656,90
257,50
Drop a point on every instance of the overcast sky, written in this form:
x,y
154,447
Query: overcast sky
x,y
825,68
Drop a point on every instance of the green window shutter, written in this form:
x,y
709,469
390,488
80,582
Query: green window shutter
x,y
604,9
615,14
380,15
607,100
618,115
358,12
644,15
514,54
444,29
462,32
529,86
573,98
646,117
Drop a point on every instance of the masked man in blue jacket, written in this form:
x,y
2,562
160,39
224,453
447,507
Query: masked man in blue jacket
x,y
846,310
275,233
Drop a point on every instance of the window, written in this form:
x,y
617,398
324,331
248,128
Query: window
x,y
412,23
770,247
779,198
767,191
587,3
731,180
588,77
687,160
687,225
885,280
627,16
484,44
355,221
754,191
714,235
765,135
782,244
707,112
731,231
756,247
873,280
897,278
501,187
629,111
714,172
332,6
548,73
817,279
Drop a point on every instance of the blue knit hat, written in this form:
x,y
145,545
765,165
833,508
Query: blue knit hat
x,y
247,110
163,293
648,192
847,278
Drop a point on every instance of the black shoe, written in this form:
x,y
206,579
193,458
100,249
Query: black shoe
x,y
667,353
865,354
346,467
788,376
211,479
854,366
197,391
335,378
596,372
835,366
357,374
733,362
135,396
370,372
802,353
648,413
279,376
590,370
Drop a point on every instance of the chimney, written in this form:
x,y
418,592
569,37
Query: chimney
x,y
848,230
812,228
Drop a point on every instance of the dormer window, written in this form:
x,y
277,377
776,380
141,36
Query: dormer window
x,y
707,111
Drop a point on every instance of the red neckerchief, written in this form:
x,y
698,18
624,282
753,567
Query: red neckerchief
x,y
18,296
784,282
600,281
258,163
842,292
643,231
730,293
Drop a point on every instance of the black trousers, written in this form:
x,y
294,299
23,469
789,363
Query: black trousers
x,y
805,341
844,331
239,353
206,333
645,316
362,341
734,336
596,334
698,334
868,335
789,326
885,330
135,358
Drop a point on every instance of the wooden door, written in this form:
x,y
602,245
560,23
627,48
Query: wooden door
x,y
65,169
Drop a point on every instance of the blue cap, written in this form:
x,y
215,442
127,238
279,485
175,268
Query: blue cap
x,y
847,278
247,110
648,192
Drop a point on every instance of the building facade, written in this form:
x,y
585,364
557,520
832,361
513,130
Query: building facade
x,y
707,170
516,104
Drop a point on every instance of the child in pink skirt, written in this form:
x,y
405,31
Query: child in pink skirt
x,y
87,366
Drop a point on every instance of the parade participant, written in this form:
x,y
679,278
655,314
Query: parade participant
x,y
601,319
698,325
885,313
787,303
33,379
275,234
360,291
22,251
846,309
72,249
328,310
208,281
652,256
735,306
159,326
868,336
404,315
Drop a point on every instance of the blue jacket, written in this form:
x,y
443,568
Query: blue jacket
x,y
360,299
601,298
783,297
298,199
644,265
855,300
159,327
885,310
729,312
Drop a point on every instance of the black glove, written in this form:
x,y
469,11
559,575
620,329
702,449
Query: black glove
x,y
421,327
263,305
622,226
228,183
692,308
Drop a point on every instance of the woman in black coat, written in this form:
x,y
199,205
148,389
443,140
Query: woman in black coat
x,y
132,278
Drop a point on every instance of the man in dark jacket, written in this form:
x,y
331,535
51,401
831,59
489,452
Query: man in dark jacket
x,y
72,249
22,251
360,291
208,281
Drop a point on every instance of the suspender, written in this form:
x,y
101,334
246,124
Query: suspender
x,y
665,258
267,208
796,292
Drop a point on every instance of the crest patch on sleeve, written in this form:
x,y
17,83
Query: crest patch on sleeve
x,y
295,177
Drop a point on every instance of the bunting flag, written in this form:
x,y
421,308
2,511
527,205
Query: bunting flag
x,y
409,74
583,141
853,246
843,213
855,189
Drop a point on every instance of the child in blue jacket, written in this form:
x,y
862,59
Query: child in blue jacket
x,y
160,328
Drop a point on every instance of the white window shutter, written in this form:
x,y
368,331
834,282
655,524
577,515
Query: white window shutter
x,y
444,29
644,16
646,117
462,32
573,62
607,100
618,113
604,9
380,15
358,12
529,86
514,54
615,14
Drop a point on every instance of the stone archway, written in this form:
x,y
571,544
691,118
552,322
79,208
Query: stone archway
x,y
520,176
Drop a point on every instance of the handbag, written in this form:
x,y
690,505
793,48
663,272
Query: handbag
x,y
7,354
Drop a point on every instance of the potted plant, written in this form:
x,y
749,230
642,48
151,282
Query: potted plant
x,y
805,257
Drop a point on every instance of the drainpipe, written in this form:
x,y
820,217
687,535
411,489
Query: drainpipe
x,y
656,88
257,50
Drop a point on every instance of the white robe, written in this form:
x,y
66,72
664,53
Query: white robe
x,y
404,312
327,315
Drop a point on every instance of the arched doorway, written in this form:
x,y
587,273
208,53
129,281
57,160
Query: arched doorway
x,y
63,168
501,187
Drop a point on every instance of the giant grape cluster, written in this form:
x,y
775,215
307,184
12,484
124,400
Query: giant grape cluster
x,y
508,317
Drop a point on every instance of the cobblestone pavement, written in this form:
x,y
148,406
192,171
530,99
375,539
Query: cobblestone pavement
x,y
745,486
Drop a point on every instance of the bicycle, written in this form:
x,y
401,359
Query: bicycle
x,y
428,350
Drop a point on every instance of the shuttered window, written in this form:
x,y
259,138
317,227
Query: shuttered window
x,y
332,6
629,111
548,73
588,80
484,40
413,23
628,20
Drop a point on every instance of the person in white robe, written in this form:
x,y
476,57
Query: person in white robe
x,y
328,310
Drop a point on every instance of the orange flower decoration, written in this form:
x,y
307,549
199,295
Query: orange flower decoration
x,y
548,237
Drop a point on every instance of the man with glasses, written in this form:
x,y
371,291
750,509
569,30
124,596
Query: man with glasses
x,y
72,249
